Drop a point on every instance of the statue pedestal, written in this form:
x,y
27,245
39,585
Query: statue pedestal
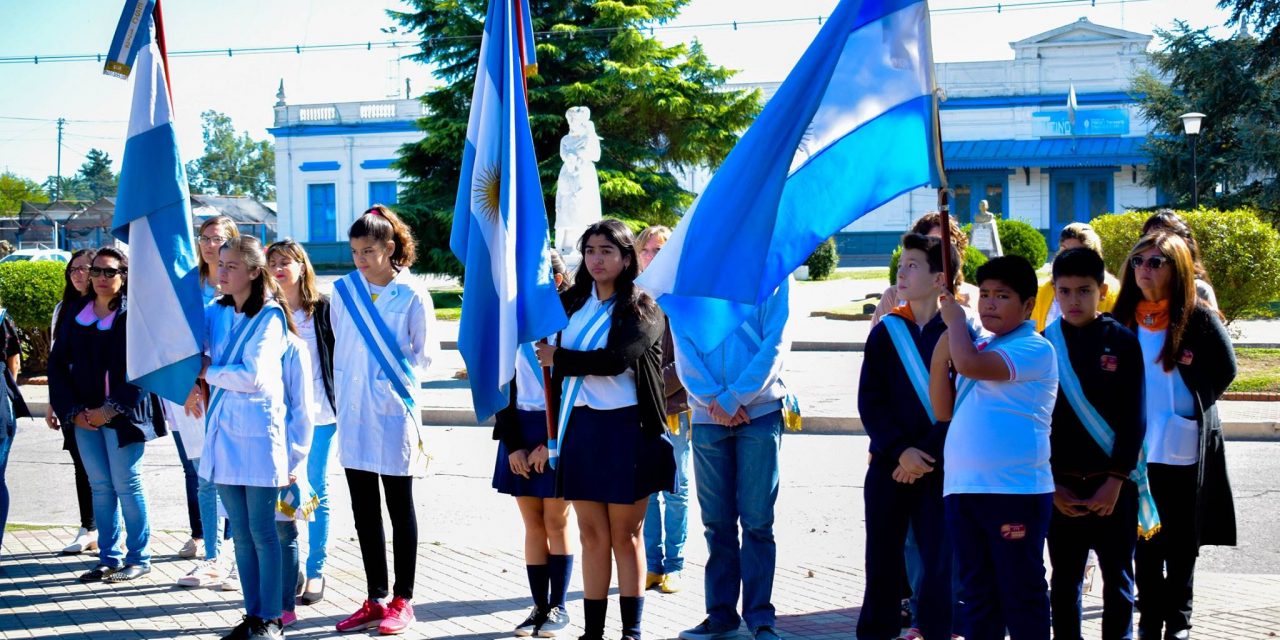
x,y
986,238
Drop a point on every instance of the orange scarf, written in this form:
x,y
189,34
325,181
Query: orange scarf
x,y
1153,316
904,311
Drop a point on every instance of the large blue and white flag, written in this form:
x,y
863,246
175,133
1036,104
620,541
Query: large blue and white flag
x,y
500,221
153,215
852,127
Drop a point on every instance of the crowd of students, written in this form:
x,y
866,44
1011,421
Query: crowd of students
x,y
999,420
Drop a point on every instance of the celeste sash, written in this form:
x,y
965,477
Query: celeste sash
x,y
914,365
234,353
594,336
378,337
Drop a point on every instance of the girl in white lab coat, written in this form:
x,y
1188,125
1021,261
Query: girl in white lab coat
x,y
382,317
245,449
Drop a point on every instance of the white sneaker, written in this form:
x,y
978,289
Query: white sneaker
x,y
232,581
83,542
205,574
191,549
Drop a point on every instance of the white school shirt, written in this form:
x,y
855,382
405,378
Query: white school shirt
x,y
599,392
245,440
321,411
998,441
1172,438
529,393
376,432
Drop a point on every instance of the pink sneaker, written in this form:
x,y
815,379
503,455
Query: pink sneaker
x,y
399,615
369,616
288,619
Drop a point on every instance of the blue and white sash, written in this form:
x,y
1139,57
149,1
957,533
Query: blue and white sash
x,y
234,352
1148,517
594,336
914,365
378,338
965,385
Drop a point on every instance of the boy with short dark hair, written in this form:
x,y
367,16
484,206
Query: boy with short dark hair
x,y
997,487
904,478
1098,428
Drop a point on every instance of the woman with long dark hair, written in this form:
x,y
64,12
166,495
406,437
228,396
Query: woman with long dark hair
x,y
1189,363
75,288
613,447
89,388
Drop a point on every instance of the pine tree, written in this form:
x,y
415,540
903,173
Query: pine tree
x,y
657,108
97,175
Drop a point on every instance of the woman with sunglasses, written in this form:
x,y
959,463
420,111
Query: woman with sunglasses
x,y
12,406
288,263
88,388
1189,362
75,288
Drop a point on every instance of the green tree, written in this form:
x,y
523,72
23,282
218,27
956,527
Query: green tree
x,y
1239,142
71,187
656,107
14,189
232,165
1263,16
97,175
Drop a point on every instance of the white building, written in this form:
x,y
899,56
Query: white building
x,y
333,161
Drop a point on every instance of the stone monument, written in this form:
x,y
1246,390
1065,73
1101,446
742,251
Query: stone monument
x,y
985,236
578,187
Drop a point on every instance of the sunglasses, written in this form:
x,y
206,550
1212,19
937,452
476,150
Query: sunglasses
x,y
1155,263
99,272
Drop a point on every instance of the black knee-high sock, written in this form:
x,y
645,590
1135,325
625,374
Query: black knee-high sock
x,y
593,612
559,570
632,612
538,584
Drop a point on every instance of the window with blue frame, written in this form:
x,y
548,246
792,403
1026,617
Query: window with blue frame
x,y
970,188
322,213
383,193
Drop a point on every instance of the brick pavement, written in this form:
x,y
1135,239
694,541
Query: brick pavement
x,y
475,593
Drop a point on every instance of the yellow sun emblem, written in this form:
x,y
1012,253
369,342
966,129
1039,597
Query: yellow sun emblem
x,y
488,193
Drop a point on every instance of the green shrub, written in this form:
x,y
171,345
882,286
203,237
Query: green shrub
x,y
823,261
1239,250
28,292
972,260
1018,238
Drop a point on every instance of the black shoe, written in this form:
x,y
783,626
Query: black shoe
x,y
98,573
1148,631
556,620
243,630
531,623
130,572
312,597
1184,634
267,630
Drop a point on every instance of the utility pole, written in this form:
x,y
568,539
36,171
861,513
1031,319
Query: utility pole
x,y
57,186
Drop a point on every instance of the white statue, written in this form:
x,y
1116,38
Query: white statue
x,y
578,188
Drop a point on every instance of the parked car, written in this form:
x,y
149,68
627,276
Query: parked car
x,y
37,255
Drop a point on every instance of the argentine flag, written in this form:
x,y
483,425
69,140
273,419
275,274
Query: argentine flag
x,y
153,215
852,127
500,221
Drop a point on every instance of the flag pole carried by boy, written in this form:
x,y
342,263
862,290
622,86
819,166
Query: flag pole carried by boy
x,y
499,219
852,127
153,215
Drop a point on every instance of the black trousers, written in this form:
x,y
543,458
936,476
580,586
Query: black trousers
x,y
84,495
1113,537
1165,565
367,506
890,507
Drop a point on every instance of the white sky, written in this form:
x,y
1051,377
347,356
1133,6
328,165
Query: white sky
x,y
244,86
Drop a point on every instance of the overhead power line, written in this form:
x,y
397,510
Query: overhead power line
x,y
230,52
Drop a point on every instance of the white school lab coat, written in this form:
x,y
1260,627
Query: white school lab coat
x,y
245,441
376,432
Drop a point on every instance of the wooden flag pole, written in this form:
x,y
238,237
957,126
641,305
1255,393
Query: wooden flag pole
x,y
948,269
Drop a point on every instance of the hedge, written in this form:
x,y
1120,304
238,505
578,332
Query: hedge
x,y
29,291
823,261
1239,250
972,260
1018,238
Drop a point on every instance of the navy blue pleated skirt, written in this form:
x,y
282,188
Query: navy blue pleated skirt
x,y
533,428
606,457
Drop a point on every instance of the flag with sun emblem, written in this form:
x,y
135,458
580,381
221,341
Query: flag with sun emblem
x,y
499,220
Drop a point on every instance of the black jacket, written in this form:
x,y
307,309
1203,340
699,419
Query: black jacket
x,y
324,339
1107,358
82,358
506,426
887,401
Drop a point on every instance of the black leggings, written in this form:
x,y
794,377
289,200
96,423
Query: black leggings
x,y
84,495
366,505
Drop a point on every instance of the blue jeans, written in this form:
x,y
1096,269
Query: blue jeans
x,y
287,531
737,469
192,486
677,512
318,529
252,511
207,497
6,445
115,477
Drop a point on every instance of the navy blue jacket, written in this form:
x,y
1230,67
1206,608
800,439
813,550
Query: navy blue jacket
x,y
82,359
887,402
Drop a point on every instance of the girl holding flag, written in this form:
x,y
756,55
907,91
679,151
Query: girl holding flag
x,y
246,451
521,471
382,321
612,420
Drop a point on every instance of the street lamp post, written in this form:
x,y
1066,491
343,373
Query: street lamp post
x,y
1191,125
